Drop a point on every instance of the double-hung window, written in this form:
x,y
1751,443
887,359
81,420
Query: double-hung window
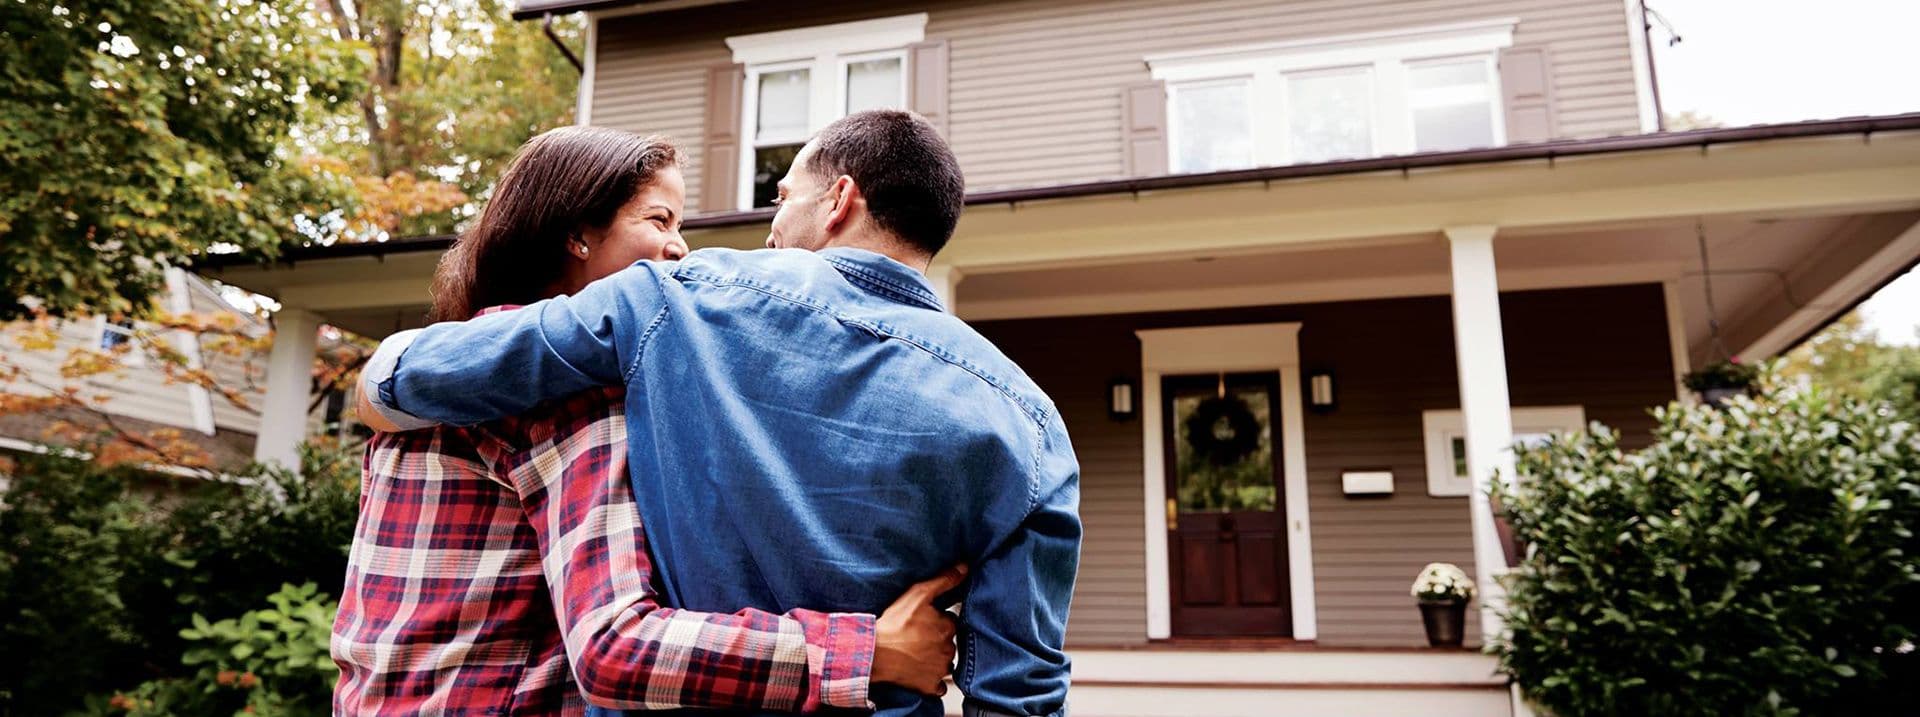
x,y
799,81
1420,90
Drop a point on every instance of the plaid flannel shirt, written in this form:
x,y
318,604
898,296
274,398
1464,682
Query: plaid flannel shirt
x,y
501,569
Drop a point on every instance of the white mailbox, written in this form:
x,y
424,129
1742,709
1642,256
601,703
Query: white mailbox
x,y
1367,482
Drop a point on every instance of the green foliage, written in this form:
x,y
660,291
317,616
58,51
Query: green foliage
x,y
1849,357
107,580
137,133
68,532
1756,559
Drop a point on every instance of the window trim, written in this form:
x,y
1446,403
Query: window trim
x,y
1389,54
822,50
1439,429
134,357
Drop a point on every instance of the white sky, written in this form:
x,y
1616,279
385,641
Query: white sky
x,y
1764,61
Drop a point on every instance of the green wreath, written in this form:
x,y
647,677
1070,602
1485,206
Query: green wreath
x,y
1223,431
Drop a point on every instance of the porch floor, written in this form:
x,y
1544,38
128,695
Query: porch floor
x,y
1272,678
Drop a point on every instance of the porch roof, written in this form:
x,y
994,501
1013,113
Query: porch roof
x,y
1548,151
1829,202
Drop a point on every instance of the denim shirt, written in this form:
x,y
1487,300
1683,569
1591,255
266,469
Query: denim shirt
x,y
806,430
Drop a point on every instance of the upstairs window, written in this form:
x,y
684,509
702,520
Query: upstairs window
x,y
1423,90
799,81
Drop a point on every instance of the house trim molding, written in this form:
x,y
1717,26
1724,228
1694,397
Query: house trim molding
x,y
1242,347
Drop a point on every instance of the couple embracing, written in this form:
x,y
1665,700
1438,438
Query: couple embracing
x,y
617,475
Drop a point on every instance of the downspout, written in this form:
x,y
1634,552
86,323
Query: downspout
x,y
1653,76
546,26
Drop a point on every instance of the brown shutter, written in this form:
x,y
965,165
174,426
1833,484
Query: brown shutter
x,y
1144,109
927,86
1528,95
720,161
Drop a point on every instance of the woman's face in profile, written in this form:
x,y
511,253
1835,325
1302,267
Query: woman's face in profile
x,y
647,227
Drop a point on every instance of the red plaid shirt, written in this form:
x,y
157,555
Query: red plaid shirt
x,y
501,569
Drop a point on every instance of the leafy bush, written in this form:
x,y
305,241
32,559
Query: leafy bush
x,y
97,582
1759,559
271,661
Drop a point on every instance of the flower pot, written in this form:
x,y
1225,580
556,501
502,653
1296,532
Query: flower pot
x,y
1446,622
1718,397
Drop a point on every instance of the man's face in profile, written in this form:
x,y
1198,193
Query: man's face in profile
x,y
800,221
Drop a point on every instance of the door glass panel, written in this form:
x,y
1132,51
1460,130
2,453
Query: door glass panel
x,y
1223,449
873,85
1330,115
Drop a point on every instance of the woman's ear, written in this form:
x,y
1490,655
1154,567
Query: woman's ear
x,y
577,245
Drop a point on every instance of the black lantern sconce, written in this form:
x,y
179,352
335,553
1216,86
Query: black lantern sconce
x,y
1121,399
1320,394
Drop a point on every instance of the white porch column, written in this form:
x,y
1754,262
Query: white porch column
x,y
283,414
946,283
1480,349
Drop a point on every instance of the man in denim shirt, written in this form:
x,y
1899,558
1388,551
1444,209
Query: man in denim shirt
x,y
807,427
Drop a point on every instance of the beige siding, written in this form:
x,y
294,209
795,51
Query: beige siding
x,y
244,374
1036,84
140,392
1366,551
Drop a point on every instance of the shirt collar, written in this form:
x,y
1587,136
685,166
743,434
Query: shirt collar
x,y
882,275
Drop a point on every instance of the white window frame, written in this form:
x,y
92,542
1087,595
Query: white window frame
x,y
825,52
1492,63
1441,428
1389,53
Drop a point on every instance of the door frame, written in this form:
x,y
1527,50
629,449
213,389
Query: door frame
x,y
1232,349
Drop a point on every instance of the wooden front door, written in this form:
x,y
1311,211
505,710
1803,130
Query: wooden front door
x,y
1225,507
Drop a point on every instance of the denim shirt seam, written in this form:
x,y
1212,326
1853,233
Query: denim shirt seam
x,y
898,290
776,292
640,348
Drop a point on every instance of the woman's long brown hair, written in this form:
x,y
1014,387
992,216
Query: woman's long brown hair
x,y
560,183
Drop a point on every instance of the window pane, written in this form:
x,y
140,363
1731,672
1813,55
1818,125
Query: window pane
x,y
1230,468
1214,130
783,106
769,167
874,84
1452,105
1330,115
116,334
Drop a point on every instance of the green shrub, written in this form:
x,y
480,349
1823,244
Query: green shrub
x,y
68,532
97,583
1759,559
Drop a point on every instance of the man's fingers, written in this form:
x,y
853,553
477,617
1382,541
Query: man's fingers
x,y
926,590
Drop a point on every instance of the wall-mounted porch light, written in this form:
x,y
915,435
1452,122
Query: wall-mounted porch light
x,y
1320,394
1120,399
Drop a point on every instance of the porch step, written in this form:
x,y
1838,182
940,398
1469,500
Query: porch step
x,y
1351,683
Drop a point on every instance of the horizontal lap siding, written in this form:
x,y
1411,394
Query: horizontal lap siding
x,y
1603,348
1035,84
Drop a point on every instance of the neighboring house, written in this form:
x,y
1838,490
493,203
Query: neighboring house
x,y
140,398
1401,234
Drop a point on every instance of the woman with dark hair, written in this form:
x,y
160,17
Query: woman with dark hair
x,y
502,569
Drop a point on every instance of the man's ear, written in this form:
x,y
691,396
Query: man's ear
x,y
843,195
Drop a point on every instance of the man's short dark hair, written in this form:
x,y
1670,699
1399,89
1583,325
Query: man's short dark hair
x,y
912,183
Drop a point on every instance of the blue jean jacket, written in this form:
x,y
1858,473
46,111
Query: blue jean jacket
x,y
807,430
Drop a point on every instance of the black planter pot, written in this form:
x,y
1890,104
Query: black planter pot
x,y
1446,622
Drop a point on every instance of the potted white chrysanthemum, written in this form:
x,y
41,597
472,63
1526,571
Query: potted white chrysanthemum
x,y
1444,590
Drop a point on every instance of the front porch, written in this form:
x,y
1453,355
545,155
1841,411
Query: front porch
x,y
1473,302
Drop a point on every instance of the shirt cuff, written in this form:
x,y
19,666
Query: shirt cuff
x,y
376,381
840,656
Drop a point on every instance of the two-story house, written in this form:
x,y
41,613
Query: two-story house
x,y
1296,272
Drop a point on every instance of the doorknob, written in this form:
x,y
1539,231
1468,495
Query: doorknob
x,y
1173,514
